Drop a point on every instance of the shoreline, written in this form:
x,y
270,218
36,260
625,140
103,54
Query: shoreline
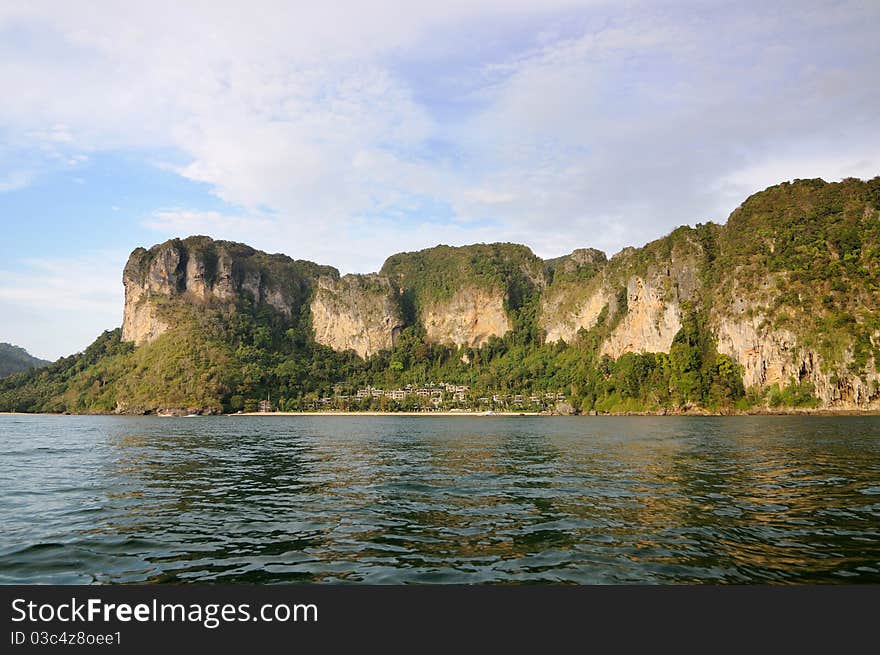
x,y
377,413
789,412
506,414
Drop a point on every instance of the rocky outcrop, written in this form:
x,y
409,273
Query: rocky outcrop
x,y
363,312
141,322
772,356
576,261
787,288
767,356
567,309
356,312
199,269
469,317
648,314
652,320
141,279
576,297
463,295
654,301
846,390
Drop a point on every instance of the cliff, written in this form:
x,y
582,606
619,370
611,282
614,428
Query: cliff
x,y
198,270
779,307
356,312
464,296
789,287
363,313
795,289
467,318
639,291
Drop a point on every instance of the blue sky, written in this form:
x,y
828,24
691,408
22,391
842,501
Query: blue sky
x,y
346,133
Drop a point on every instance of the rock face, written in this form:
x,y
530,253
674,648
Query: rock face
x,y
654,306
643,302
465,295
356,312
767,356
788,289
469,318
564,311
773,356
647,305
576,296
199,269
353,312
651,322
642,297
141,322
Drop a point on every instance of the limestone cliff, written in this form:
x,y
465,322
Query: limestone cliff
x,y
465,295
567,309
199,269
654,297
576,297
362,313
651,321
639,291
778,308
794,298
775,357
788,289
765,321
469,317
356,312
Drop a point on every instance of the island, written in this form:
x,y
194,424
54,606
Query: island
x,y
774,311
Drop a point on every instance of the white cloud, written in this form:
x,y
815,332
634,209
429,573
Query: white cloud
x,y
786,166
15,180
185,222
569,123
54,306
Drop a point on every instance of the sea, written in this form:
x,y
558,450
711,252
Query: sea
x,y
425,500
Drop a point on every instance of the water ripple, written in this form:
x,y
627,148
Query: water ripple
x,y
432,500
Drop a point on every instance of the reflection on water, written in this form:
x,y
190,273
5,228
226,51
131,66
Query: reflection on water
x,y
455,500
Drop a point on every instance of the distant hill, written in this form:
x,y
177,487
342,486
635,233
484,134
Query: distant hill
x,y
14,359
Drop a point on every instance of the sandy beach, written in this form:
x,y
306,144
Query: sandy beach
x,y
338,413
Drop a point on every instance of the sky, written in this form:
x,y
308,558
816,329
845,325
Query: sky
x,y
343,132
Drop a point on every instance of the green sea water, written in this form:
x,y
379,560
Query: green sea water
x,y
383,500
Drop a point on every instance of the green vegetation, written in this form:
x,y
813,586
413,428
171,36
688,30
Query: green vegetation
x,y
217,358
13,359
794,394
227,358
811,250
806,255
224,358
579,266
435,274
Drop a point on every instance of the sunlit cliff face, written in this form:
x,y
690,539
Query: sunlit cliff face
x,y
751,295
